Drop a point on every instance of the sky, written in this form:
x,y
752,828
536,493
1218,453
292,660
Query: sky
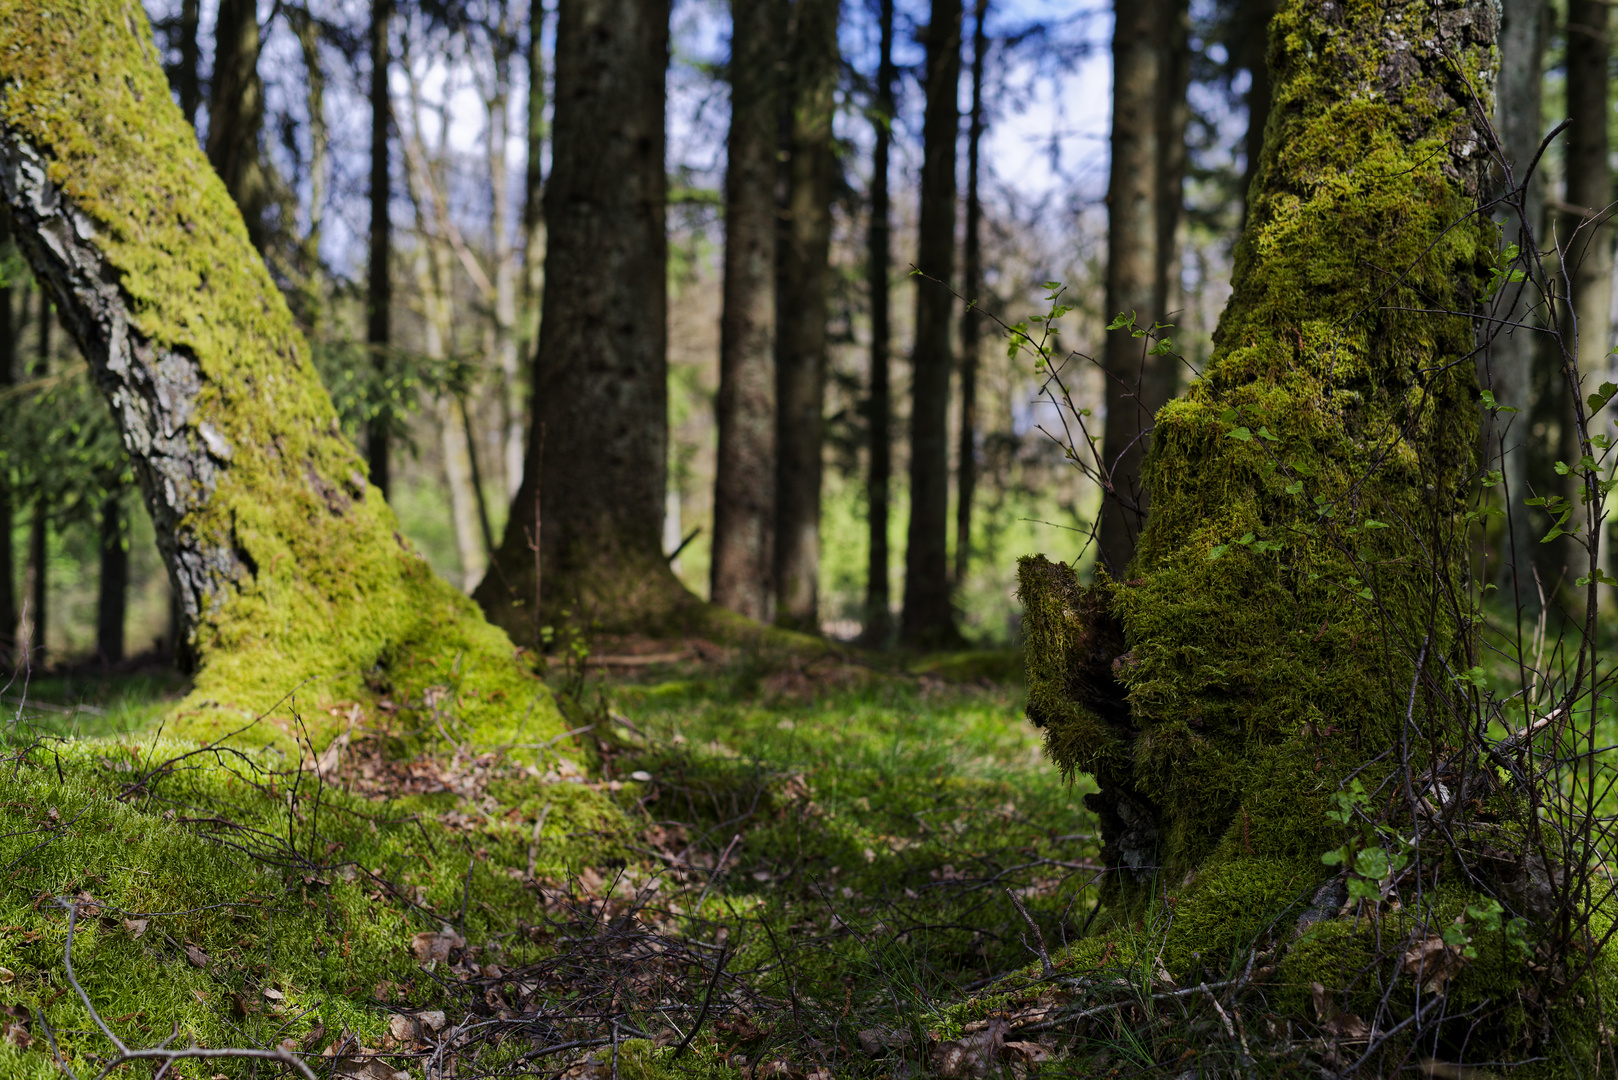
x,y
1048,99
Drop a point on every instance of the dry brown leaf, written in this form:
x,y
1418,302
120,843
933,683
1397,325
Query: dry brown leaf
x,y
1344,1025
430,948
403,1029
196,956
136,927
431,1019
879,1040
1433,963
7,975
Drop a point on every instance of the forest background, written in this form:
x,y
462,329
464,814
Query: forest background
x,y
468,100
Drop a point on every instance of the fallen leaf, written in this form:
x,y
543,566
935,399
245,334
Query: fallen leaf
x,y
1433,963
136,927
879,1040
430,948
196,956
431,1019
6,975
272,994
403,1029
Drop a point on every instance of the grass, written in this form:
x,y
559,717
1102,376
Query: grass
x,y
761,866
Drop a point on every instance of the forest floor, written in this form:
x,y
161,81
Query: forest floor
x,y
828,864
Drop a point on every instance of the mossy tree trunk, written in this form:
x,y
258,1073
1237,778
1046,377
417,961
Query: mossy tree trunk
x,y
1303,545
288,565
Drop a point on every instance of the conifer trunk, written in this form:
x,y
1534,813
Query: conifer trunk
x,y
929,613
379,277
878,606
744,480
600,430
112,589
802,298
9,331
288,565
966,468
236,114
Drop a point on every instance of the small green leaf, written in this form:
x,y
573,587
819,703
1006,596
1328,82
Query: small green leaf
x,y
1264,433
1217,550
1366,594
1372,863
1120,321
1295,488
1240,433
1598,400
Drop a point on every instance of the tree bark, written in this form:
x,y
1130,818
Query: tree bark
x,y
966,469
744,480
1233,683
39,524
1137,383
1524,29
236,114
113,587
379,280
878,627
601,374
504,345
802,297
929,614
533,232
10,331
1252,37
1585,236
1173,114
291,570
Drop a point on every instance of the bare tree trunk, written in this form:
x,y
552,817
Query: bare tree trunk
x,y
288,564
505,338
966,469
533,231
744,481
1253,35
10,331
801,306
1173,114
435,284
1135,380
878,606
1523,33
307,30
39,527
1585,233
236,114
600,381
929,614
113,588
379,288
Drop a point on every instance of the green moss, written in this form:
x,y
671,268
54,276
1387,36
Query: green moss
x,y
1306,490
330,942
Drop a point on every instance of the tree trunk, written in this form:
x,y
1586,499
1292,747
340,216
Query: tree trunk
x,y
291,569
601,375
10,331
1524,29
379,287
1231,686
802,298
505,347
39,525
1137,383
533,231
113,587
744,480
1585,236
1252,35
1173,114
929,614
878,606
966,469
236,115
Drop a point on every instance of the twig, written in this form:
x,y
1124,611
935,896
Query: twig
x,y
156,1053
533,844
719,868
1044,957
707,1001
